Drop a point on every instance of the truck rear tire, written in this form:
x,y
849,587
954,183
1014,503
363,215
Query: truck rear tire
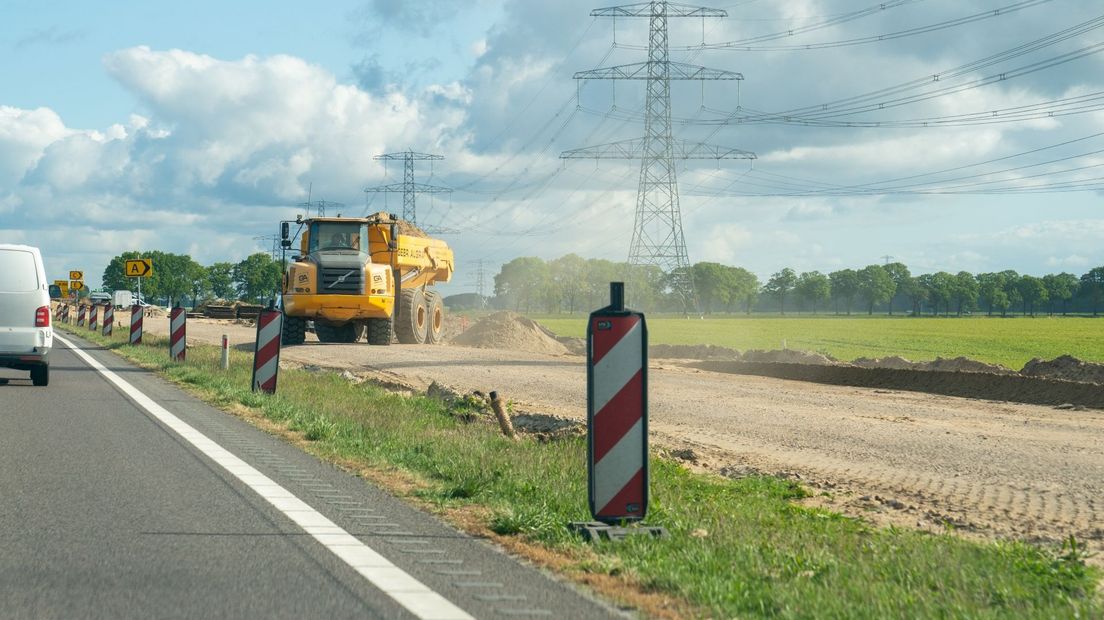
x,y
295,330
435,314
411,317
379,331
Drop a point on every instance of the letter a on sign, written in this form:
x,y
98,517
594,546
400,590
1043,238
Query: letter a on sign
x,y
617,412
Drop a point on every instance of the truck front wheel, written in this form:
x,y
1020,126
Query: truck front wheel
x,y
295,330
379,331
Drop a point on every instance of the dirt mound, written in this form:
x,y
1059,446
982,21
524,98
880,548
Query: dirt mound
x,y
409,229
965,364
511,331
693,351
1065,367
893,361
789,356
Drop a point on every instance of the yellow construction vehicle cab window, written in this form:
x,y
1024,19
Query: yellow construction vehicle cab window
x,y
328,236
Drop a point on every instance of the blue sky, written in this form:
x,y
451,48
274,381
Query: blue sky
x,y
194,128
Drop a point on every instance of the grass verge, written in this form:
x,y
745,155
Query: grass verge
x,y
738,548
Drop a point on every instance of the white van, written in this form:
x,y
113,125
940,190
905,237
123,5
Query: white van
x,y
25,333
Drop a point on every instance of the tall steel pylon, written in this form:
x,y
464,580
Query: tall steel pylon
x,y
658,238
408,187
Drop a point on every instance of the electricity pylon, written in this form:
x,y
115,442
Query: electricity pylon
x,y
658,238
408,187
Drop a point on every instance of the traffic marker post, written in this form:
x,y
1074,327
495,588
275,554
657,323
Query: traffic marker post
x,y
617,421
93,311
136,324
82,312
224,363
109,319
177,328
266,351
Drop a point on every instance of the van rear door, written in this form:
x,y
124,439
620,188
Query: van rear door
x,y
21,294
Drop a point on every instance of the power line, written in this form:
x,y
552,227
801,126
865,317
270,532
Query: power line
x,y
408,188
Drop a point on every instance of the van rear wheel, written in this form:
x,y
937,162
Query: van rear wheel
x,y
40,375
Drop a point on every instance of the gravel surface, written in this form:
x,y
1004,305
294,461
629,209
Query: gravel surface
x,y
990,468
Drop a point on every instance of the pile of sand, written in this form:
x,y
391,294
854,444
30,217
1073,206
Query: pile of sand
x,y
965,364
788,356
893,361
692,351
510,331
1065,367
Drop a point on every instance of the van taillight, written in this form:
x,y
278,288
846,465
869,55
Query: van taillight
x,y
42,317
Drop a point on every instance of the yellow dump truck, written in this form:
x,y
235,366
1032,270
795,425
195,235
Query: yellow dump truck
x,y
357,276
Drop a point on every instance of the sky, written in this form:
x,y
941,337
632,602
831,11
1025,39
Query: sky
x,y
196,127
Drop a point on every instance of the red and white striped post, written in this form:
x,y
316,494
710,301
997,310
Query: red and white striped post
x,y
82,312
136,324
109,319
177,329
617,411
266,351
93,312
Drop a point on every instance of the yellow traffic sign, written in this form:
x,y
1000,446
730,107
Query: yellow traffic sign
x,y
139,268
76,285
76,275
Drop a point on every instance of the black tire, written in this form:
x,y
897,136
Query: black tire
x,y
435,317
40,375
379,331
411,323
295,330
328,332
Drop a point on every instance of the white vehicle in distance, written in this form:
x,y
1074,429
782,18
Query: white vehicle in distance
x,y
25,333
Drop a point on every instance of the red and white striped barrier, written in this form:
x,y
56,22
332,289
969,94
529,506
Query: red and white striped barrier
x,y
93,312
109,319
266,351
617,412
136,324
82,312
178,319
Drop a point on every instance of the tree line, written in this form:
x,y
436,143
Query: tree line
x,y
177,278
572,283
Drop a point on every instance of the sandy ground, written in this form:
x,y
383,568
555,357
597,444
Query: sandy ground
x,y
989,468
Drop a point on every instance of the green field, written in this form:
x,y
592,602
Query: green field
x,y
1010,342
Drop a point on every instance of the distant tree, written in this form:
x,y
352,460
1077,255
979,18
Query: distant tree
x,y
201,285
220,278
844,285
1060,287
257,277
964,291
1032,291
901,277
1092,288
599,273
780,285
568,273
114,276
813,287
520,281
745,288
940,290
1010,281
916,293
713,284
989,284
876,286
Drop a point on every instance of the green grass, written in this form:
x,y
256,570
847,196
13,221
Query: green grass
x,y
756,552
1011,342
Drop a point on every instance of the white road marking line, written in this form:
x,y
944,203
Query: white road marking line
x,y
407,591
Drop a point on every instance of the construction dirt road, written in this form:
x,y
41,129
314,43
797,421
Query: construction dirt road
x,y
988,468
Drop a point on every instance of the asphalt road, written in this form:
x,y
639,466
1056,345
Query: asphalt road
x,y
106,511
